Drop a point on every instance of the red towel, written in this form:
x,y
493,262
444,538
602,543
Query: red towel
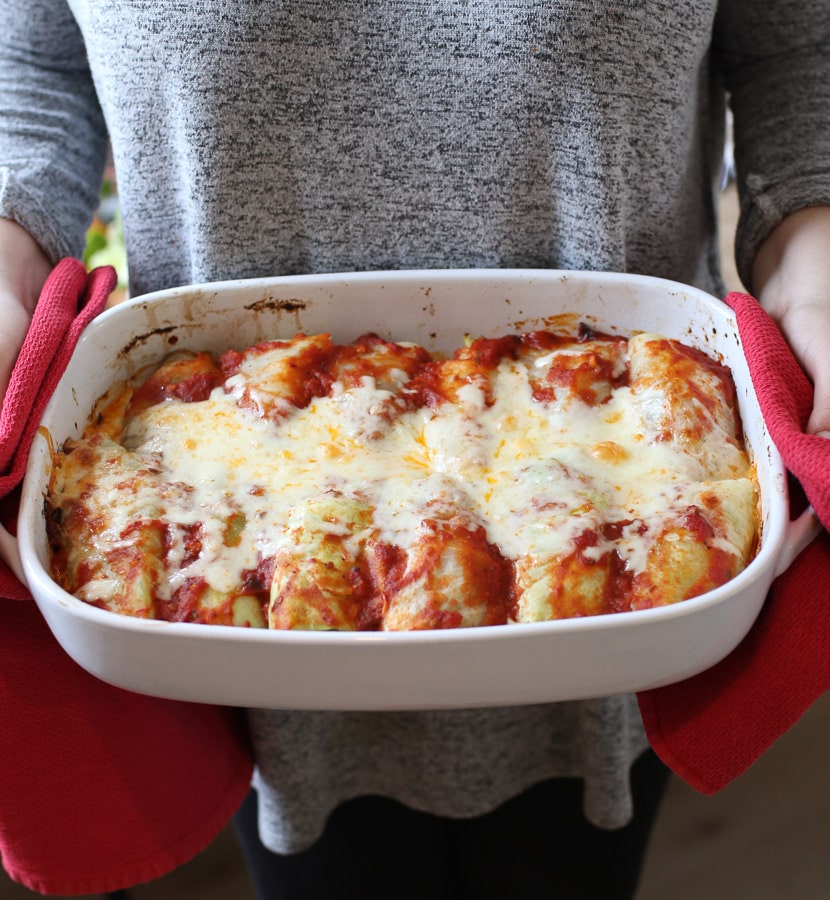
x,y
711,728
100,788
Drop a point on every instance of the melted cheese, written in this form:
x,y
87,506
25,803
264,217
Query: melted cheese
x,y
535,475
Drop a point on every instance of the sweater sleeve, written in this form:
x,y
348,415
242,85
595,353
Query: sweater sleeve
x,y
774,59
52,134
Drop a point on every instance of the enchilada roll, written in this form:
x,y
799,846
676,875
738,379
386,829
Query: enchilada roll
x,y
685,399
562,371
390,365
183,376
454,382
446,574
103,521
563,560
207,578
454,396
559,369
187,377
194,600
321,579
564,586
272,379
704,536
367,381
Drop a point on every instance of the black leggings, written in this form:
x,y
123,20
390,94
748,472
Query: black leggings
x,y
538,844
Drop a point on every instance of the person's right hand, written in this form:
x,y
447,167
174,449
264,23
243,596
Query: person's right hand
x,y
791,276
23,270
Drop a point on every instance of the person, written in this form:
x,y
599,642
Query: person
x,y
255,138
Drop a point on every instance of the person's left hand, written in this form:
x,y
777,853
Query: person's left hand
x,y
806,326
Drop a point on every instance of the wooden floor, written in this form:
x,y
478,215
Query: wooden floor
x,y
765,837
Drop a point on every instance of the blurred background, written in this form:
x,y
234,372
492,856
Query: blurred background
x,y
105,240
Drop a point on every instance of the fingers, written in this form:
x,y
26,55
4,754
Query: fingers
x,y
23,270
819,421
806,327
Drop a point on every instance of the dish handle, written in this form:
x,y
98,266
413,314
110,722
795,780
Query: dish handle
x,y
10,554
801,532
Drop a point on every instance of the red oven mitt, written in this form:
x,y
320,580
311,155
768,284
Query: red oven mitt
x,y
100,788
711,728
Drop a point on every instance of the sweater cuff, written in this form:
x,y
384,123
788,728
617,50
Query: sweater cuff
x,y
765,205
24,207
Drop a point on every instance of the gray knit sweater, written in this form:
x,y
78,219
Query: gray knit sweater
x,y
255,137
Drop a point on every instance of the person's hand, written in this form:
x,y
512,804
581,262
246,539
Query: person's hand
x,y
791,279
23,270
806,326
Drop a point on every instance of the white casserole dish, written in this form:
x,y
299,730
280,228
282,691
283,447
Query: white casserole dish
x,y
510,664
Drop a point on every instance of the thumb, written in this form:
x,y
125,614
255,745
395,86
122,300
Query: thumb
x,y
819,421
